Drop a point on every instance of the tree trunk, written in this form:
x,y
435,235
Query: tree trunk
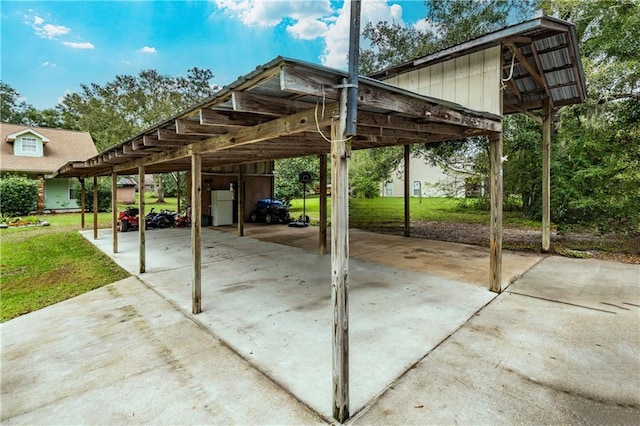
x,y
160,188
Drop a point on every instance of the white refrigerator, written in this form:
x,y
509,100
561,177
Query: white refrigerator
x,y
222,207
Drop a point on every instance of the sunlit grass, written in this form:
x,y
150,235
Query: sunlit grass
x,y
43,266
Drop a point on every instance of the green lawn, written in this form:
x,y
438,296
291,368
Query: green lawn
x,y
389,211
41,266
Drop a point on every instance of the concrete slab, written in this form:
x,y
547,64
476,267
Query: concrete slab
x,y
425,349
598,284
532,360
271,303
459,262
121,355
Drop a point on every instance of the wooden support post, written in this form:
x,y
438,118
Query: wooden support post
x,y
241,188
407,192
141,225
323,204
114,210
95,207
495,242
83,202
178,191
196,221
340,152
546,174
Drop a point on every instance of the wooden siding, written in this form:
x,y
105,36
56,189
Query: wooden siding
x,y
472,80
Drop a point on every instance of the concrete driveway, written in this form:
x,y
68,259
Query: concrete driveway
x,y
425,347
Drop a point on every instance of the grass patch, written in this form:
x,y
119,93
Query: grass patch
x,y
389,211
43,266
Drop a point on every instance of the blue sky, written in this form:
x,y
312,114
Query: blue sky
x,y
49,48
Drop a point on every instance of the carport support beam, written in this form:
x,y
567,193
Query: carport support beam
x,y
546,174
495,241
196,230
323,204
241,188
95,207
83,202
114,210
407,189
141,222
340,153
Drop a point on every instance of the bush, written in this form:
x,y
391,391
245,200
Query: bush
x,y
18,194
104,194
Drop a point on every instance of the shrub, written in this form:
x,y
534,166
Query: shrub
x,y
104,194
18,194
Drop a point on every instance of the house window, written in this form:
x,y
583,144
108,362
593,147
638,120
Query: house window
x,y
417,188
72,190
388,189
28,146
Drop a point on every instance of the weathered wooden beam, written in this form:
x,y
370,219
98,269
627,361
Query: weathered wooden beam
x,y
525,63
273,129
83,206
196,231
495,225
167,136
141,225
536,59
296,80
529,114
323,204
340,152
407,189
241,195
514,88
211,117
95,207
546,174
114,210
188,127
268,105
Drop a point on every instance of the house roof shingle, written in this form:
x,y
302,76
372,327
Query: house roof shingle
x,y
63,146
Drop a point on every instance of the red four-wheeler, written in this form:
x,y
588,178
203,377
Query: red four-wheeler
x,y
128,219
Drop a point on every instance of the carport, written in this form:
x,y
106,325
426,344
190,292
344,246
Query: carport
x,y
288,108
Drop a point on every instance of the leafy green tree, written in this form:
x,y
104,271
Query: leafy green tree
x,y
369,167
596,170
15,111
287,183
127,105
104,193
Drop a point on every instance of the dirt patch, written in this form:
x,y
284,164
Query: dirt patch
x,y
621,248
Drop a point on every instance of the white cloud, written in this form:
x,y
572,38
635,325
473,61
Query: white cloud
x,y
312,19
49,31
126,62
337,37
66,92
49,64
147,49
78,45
271,13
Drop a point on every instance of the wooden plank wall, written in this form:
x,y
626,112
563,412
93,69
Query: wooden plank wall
x,y
472,80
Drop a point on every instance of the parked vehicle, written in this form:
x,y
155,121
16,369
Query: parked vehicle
x,y
271,211
183,220
128,219
161,219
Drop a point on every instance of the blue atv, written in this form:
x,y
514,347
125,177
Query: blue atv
x,y
270,211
